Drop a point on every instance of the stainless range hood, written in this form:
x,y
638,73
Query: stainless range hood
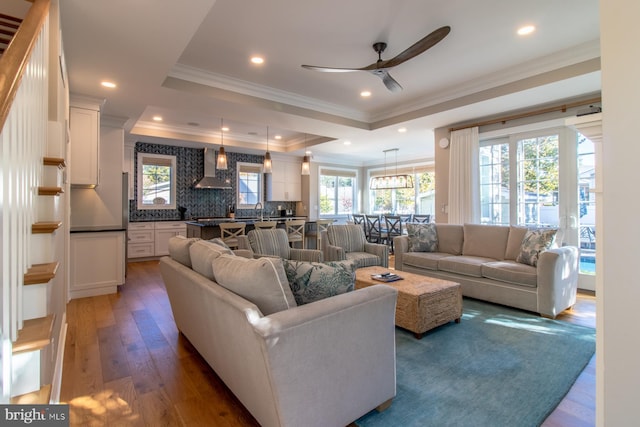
x,y
209,180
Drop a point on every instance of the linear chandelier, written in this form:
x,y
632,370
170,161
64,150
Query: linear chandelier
x,y
389,182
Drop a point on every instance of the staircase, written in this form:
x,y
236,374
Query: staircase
x,y
8,27
34,214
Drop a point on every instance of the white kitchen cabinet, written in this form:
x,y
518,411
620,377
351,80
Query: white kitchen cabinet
x,y
163,232
84,129
285,183
97,263
140,237
151,239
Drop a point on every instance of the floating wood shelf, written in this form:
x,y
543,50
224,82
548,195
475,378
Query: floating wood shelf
x,y
54,161
45,227
40,273
34,335
50,191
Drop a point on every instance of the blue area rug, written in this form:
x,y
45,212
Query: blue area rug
x,y
498,367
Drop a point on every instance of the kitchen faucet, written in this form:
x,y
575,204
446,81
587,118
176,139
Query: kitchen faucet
x,y
259,204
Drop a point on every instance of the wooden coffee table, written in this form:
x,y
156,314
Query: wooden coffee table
x,y
423,302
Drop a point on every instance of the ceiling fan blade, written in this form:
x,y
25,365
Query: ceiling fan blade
x,y
417,48
388,81
330,69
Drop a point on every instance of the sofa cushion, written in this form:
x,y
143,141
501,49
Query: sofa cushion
x,y
514,242
463,264
262,281
534,243
313,281
179,249
485,240
511,272
422,237
202,253
363,259
450,238
428,260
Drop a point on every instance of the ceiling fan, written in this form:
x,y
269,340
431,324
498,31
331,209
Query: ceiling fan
x,y
381,67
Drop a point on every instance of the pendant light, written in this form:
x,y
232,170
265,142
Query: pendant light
x,y
221,162
388,182
266,166
305,159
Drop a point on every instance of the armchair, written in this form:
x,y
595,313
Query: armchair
x,y
275,243
347,242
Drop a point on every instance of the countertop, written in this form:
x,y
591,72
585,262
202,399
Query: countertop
x,y
95,228
212,222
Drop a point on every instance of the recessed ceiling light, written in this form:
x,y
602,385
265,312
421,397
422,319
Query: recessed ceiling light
x,y
402,130
157,118
347,142
526,30
365,94
108,84
257,60
225,129
278,137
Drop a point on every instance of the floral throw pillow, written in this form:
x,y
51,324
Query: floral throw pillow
x,y
422,237
313,281
534,243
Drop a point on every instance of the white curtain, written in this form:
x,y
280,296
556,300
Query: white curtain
x,y
464,177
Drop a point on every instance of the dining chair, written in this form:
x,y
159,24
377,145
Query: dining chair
x,y
422,218
407,218
374,231
316,232
261,225
229,232
358,219
295,231
393,228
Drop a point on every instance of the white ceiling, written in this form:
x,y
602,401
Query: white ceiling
x,y
188,62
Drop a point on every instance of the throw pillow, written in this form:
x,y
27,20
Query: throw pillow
x,y
179,249
422,237
202,253
313,281
262,281
534,243
218,241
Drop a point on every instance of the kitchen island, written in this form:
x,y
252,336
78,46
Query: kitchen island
x,y
207,228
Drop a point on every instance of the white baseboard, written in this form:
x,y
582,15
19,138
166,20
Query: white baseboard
x,y
56,381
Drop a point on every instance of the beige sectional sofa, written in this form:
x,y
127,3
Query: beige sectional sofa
x,y
484,260
324,363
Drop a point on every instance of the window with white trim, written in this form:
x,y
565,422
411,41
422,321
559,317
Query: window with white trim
x,y
156,181
250,184
337,191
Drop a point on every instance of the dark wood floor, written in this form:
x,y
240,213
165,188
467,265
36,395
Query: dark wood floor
x,y
125,364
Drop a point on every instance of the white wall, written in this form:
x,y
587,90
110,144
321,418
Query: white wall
x,y
618,346
102,206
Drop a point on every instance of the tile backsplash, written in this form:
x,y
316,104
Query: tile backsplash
x,y
203,202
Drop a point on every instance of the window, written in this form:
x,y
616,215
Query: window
x,y
156,181
250,185
337,192
531,200
419,200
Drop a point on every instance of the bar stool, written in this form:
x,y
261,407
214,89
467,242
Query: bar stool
x,y
229,232
316,233
295,231
265,225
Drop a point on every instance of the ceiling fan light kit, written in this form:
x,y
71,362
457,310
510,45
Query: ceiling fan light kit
x,y
381,67
390,182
